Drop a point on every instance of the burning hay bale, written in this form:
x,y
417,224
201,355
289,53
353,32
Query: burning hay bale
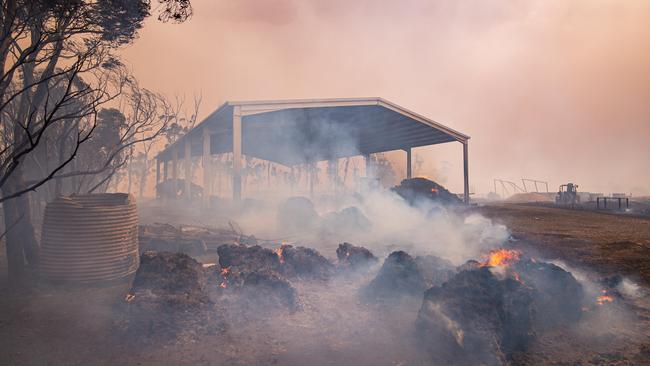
x,y
493,308
256,274
417,189
557,295
353,257
287,260
237,261
435,270
399,275
303,262
475,318
168,293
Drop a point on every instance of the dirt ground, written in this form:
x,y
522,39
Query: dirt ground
x,y
51,326
604,243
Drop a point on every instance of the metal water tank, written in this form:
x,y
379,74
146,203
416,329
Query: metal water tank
x,y
90,238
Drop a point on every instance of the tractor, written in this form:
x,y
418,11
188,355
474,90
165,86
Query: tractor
x,y
567,194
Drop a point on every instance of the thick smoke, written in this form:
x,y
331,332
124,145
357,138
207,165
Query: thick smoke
x,y
360,212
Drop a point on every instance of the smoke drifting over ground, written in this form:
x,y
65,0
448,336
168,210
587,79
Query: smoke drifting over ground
x,y
379,220
380,312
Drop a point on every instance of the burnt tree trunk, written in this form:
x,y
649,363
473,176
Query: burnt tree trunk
x,y
20,235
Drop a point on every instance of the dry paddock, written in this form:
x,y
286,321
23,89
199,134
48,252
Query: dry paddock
x,y
605,243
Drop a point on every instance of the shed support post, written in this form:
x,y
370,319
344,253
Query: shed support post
x,y
188,169
175,171
236,153
409,166
207,168
465,173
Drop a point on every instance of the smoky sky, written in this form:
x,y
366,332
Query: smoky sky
x,y
551,90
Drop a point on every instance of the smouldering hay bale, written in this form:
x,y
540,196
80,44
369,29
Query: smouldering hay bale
x,y
255,276
266,290
287,260
304,263
435,270
475,318
399,275
416,190
169,294
175,279
241,258
353,257
558,295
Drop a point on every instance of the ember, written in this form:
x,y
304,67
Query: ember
x,y
224,276
279,253
602,300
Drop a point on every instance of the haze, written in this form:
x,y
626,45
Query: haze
x,y
552,90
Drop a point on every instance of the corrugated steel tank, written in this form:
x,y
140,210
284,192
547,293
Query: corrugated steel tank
x,y
90,238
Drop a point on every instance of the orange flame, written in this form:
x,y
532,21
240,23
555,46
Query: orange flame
x,y
434,190
602,300
501,257
278,252
225,271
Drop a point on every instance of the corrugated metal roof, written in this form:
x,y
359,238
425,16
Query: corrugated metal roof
x,y
298,131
